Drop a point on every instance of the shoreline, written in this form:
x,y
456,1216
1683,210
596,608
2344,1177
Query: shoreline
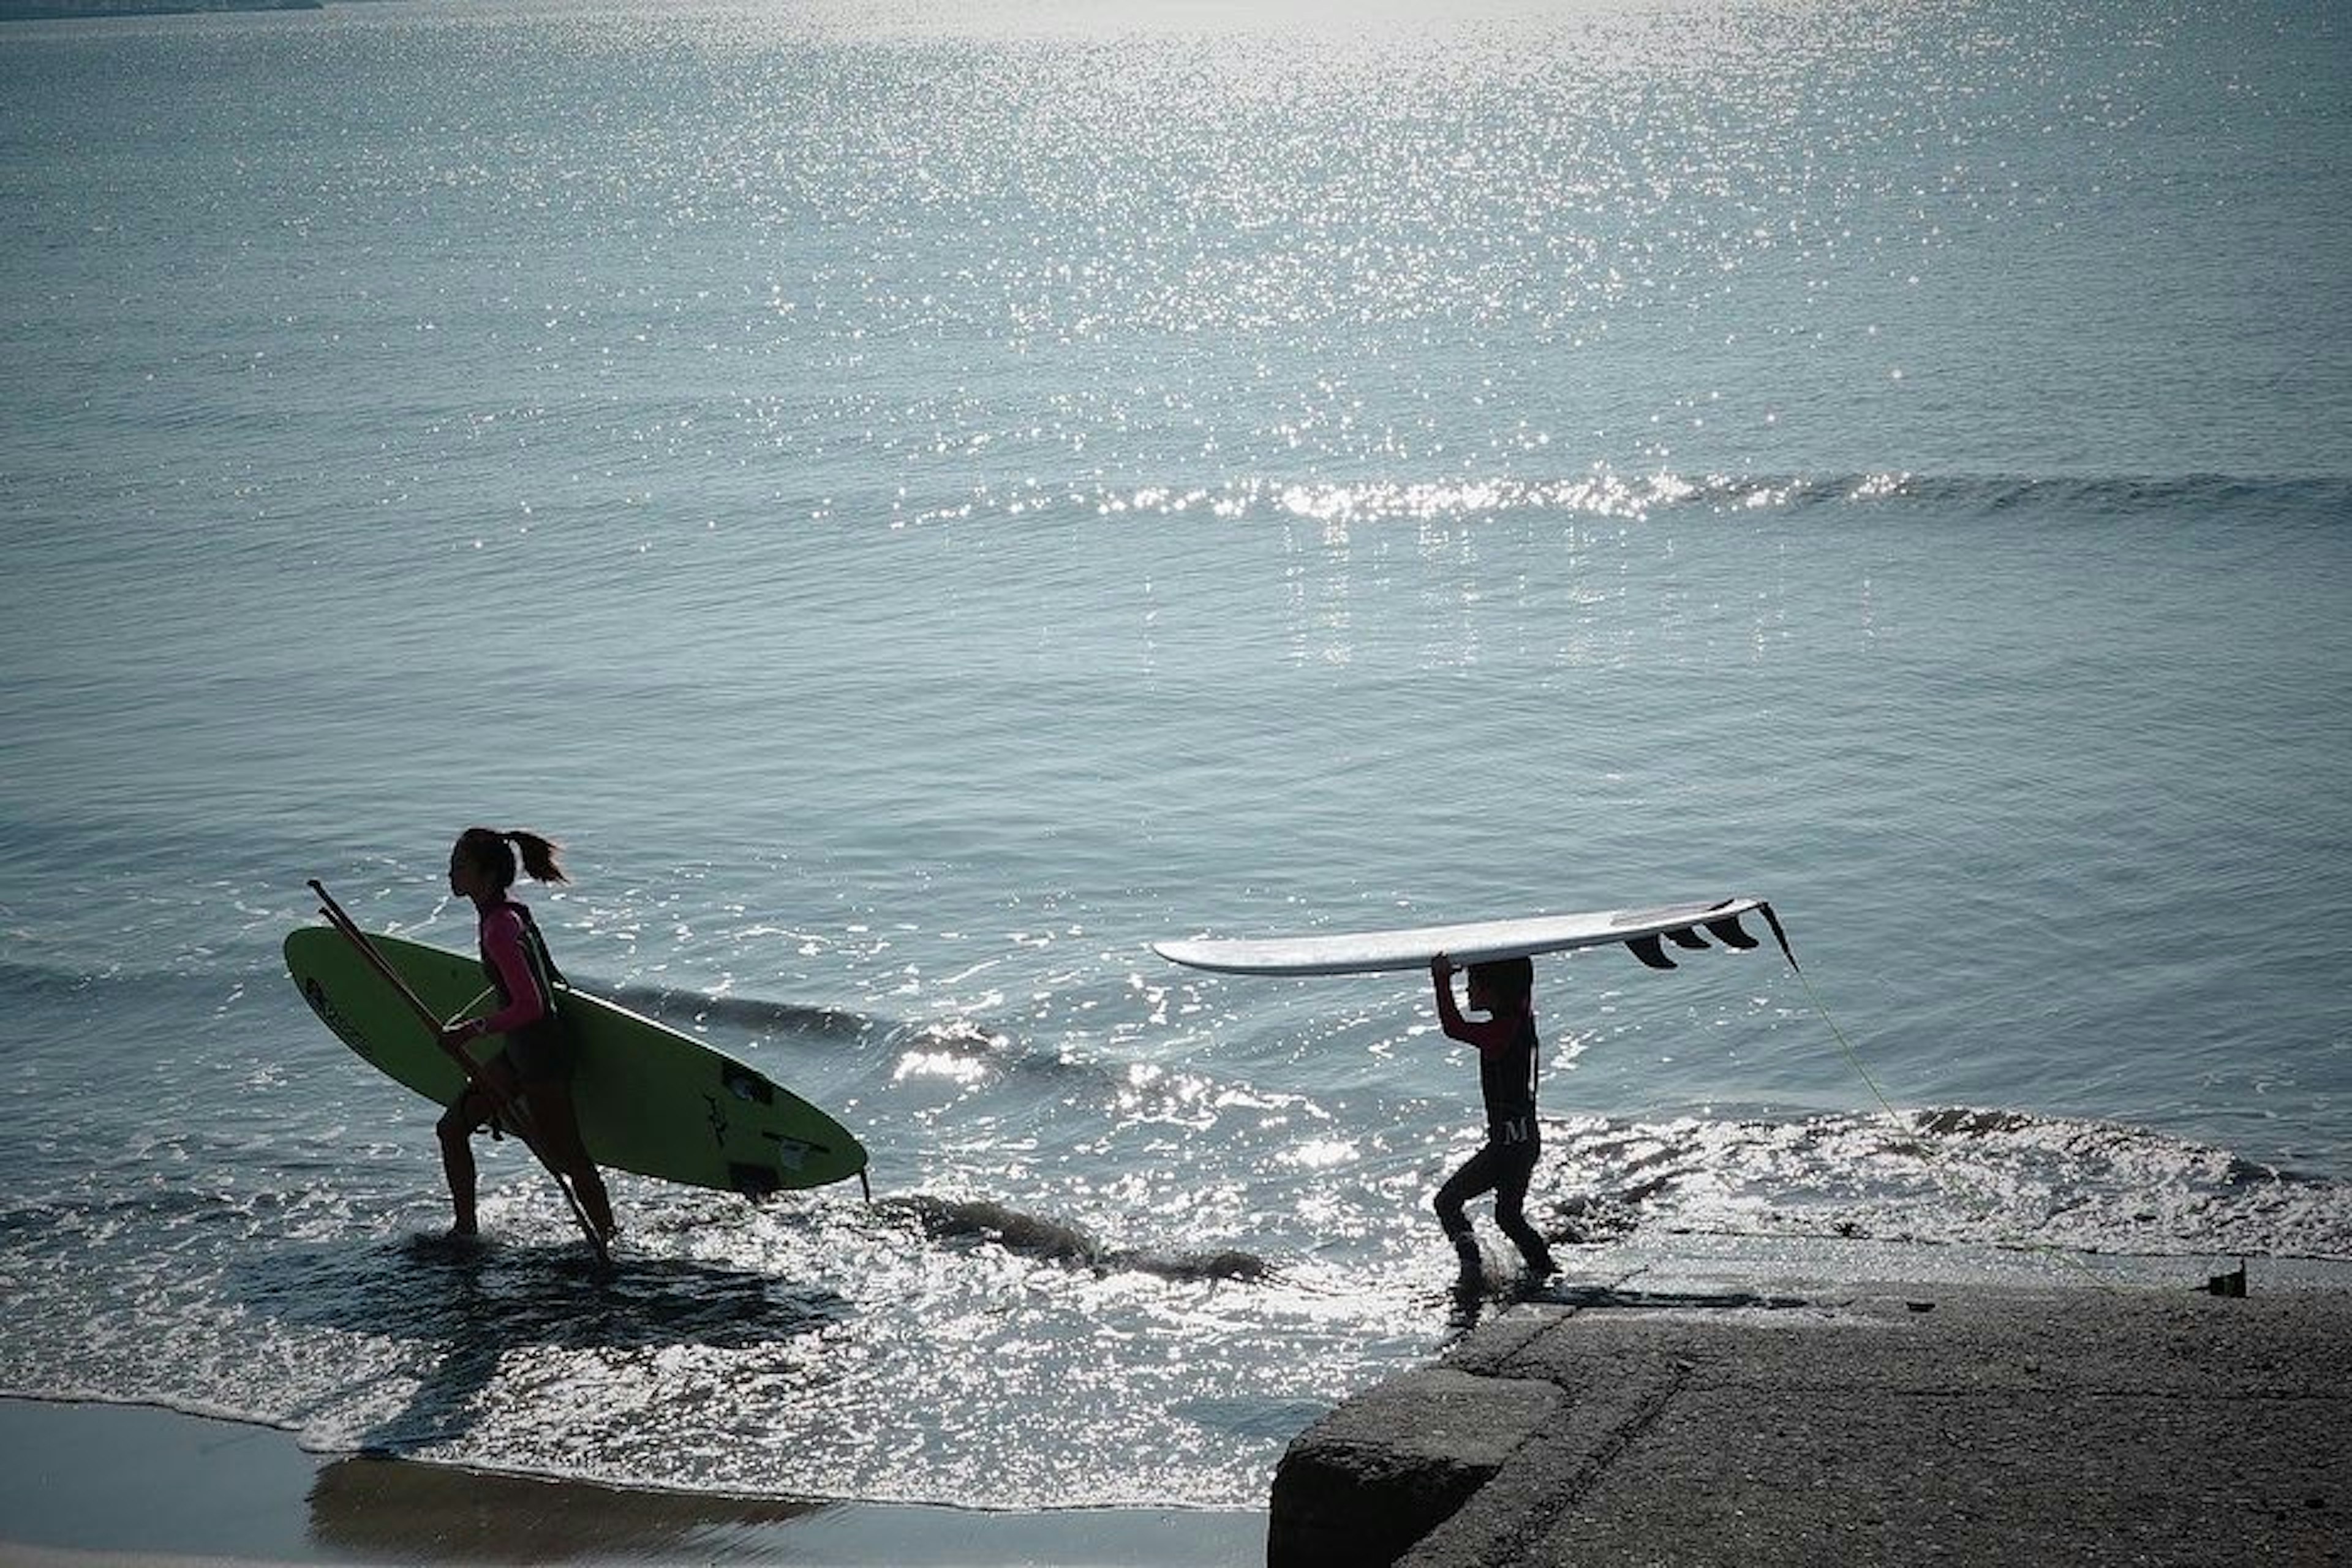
x,y
85,1483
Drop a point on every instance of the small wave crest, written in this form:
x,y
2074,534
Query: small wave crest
x,y
32,982
968,1053
1052,1240
755,1015
38,981
1938,1176
1606,493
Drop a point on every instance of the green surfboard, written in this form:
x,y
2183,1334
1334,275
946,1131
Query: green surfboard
x,y
649,1099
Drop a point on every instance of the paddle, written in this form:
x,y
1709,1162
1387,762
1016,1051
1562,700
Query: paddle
x,y
503,1104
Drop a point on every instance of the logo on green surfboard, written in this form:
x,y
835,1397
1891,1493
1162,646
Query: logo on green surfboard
x,y
333,1019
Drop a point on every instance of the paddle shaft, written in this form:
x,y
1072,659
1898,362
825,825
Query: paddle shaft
x,y
500,1101
343,923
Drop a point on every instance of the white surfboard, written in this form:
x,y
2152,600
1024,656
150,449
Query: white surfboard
x,y
1645,932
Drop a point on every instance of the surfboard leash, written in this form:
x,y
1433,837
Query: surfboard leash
x,y
1954,1183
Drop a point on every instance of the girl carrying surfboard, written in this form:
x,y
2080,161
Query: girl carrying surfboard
x,y
534,1069
1505,991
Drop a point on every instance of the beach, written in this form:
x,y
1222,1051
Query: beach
x,y
1706,1401
117,1483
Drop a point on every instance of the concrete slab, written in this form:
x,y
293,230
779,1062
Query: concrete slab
x,y
1387,1466
2085,1422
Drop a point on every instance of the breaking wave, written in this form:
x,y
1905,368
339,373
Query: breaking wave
x,y
1606,493
1937,1176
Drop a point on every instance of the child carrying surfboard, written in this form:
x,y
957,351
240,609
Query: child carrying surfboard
x,y
1505,991
535,1067
1502,985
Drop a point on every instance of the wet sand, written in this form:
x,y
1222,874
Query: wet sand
x,y
86,1484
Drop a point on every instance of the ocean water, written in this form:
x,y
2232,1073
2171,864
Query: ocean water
x,y
923,505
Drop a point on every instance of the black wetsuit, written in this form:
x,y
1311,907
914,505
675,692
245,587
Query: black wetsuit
x,y
1506,1081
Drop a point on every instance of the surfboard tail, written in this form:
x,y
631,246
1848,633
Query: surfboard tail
x,y
1726,929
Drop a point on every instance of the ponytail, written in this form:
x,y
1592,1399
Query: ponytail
x,y
538,856
495,852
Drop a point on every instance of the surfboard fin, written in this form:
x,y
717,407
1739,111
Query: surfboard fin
x,y
1731,933
1650,951
1688,936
